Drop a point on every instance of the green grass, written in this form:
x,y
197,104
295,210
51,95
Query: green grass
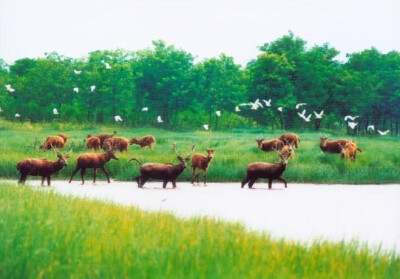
x,y
234,150
46,235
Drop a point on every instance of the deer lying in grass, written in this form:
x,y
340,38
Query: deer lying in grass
x,y
53,141
94,161
164,172
271,171
201,162
102,137
269,145
93,142
120,143
41,167
290,137
334,147
144,141
349,150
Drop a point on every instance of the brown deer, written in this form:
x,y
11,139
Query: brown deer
x,y
201,162
269,145
271,171
103,137
290,137
93,142
64,136
41,167
120,143
53,141
334,147
144,141
94,161
288,149
164,172
349,151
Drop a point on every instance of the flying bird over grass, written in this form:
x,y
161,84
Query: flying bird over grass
x,y
9,88
92,88
145,109
318,115
352,125
117,118
76,89
267,103
383,133
300,105
55,111
237,109
17,115
77,72
349,117
371,128
280,109
159,119
218,113
206,127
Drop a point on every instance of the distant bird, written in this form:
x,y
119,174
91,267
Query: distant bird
x,y
92,88
280,109
303,116
352,125
77,72
145,109
371,128
267,103
159,120
352,118
318,115
76,89
9,88
108,67
17,115
1,110
383,133
237,109
206,127
256,105
300,105
117,118
55,111
218,113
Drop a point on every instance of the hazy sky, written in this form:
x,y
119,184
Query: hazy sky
x,y
206,28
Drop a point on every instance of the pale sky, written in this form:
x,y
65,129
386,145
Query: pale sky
x,y
206,28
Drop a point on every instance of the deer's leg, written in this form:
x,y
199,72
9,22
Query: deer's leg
x,y
43,177
205,178
22,179
269,183
173,183
282,180
48,180
106,173
193,175
251,183
94,175
165,183
244,182
143,181
75,171
83,170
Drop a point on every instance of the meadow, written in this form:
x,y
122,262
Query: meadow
x,y
234,150
46,235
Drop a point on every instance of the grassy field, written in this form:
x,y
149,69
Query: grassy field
x,y
234,150
46,235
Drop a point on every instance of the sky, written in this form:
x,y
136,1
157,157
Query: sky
x,y
206,28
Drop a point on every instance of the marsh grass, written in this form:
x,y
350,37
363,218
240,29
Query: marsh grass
x,y
46,235
234,150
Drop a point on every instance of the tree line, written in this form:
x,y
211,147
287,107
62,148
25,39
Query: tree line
x,y
165,81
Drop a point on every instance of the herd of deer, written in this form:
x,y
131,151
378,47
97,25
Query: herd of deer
x,y
284,145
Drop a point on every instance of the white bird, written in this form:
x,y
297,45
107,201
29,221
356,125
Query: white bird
x,y
319,115
383,133
9,88
145,109
302,114
76,89
17,115
206,127
256,105
159,120
300,105
55,111
237,109
218,113
308,118
108,67
280,109
92,88
267,103
352,118
117,118
352,125
77,72
1,110
370,128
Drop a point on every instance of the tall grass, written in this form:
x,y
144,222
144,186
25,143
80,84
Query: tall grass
x,y
46,235
234,150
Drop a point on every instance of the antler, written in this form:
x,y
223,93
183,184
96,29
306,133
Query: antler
x,y
55,150
174,148
191,152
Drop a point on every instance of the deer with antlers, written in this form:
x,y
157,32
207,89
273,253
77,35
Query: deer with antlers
x,y
161,171
41,167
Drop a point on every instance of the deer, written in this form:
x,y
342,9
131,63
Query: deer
x,y
119,143
102,137
269,145
291,137
288,149
93,142
64,136
41,167
164,172
144,141
201,162
349,150
334,147
94,161
271,171
53,141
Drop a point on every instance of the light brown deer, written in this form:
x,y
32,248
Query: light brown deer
x,y
333,147
290,137
103,137
53,141
349,151
201,162
117,143
269,145
93,142
144,141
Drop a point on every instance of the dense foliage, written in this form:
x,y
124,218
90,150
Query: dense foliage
x,y
186,94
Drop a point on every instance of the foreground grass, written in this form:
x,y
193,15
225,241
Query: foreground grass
x,y
46,235
234,150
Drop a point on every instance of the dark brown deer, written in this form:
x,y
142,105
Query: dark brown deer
x,y
334,146
271,171
94,161
164,172
144,141
53,141
201,162
290,137
102,137
269,145
41,167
